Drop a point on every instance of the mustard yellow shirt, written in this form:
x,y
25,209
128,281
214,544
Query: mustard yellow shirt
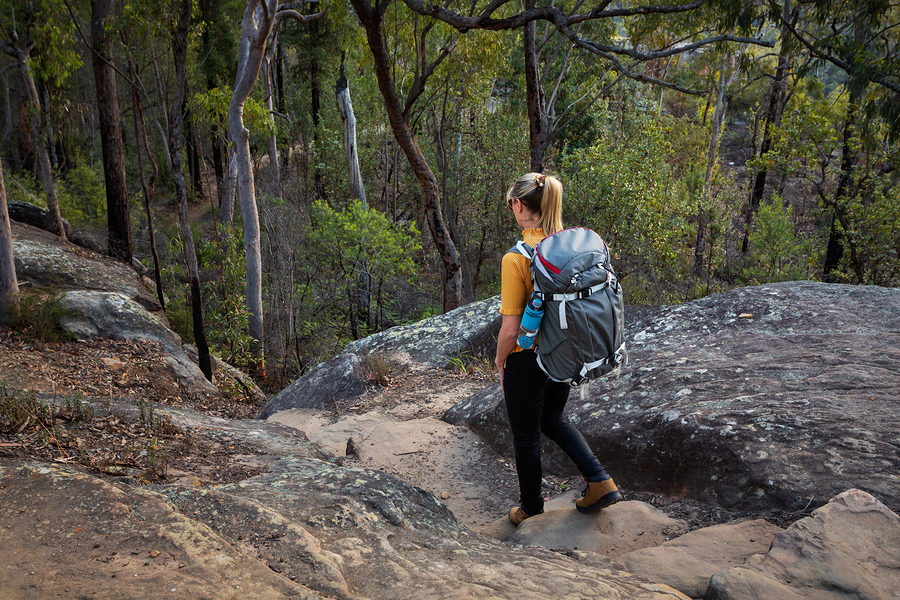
x,y
515,277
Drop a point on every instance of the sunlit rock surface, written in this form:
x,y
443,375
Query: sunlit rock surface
x,y
771,397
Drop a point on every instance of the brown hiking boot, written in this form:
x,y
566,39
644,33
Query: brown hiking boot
x,y
517,515
597,495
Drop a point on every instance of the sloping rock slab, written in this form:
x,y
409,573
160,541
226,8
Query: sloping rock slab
x,y
687,562
309,528
336,380
759,398
46,262
849,548
468,331
67,534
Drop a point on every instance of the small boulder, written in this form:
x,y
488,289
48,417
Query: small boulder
x,y
341,378
687,562
621,528
115,316
23,212
468,331
845,549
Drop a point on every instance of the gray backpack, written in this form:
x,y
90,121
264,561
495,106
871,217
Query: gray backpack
x,y
582,334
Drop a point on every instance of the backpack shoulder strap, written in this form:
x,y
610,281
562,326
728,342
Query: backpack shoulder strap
x,y
523,249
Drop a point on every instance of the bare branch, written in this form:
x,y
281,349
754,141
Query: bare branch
x,y
418,85
293,14
874,77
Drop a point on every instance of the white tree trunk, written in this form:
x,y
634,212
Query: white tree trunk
x,y
259,20
274,170
9,287
342,90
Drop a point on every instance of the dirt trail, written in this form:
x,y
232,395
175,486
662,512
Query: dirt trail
x,y
398,430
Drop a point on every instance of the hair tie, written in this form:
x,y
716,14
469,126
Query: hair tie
x,y
539,180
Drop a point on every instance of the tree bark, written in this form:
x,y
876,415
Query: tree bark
x,y
110,121
342,91
538,123
9,288
777,100
176,141
147,187
452,275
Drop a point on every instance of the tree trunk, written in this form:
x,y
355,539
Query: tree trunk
x,y
110,122
44,168
9,288
218,164
777,100
342,91
835,249
538,124
40,138
452,275
315,100
255,29
147,187
179,47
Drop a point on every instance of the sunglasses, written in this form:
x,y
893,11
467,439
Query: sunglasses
x,y
509,202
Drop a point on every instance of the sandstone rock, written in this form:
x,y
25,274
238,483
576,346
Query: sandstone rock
x,y
687,562
468,331
102,544
620,528
45,262
113,315
308,528
769,412
339,379
849,548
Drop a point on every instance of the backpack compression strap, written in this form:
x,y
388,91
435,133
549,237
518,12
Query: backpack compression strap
x,y
611,281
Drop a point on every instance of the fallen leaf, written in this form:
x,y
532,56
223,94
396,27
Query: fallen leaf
x,y
154,553
745,316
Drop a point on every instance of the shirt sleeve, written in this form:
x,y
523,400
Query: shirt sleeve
x,y
515,284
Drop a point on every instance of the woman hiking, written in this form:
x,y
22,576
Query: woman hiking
x,y
534,402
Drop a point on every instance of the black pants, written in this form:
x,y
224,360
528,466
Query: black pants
x,y
535,404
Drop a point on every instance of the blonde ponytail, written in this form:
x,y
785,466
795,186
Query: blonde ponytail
x,y
542,195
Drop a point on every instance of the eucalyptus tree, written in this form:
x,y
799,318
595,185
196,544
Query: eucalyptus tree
x,y
260,18
776,100
37,24
399,112
110,122
176,140
863,40
9,288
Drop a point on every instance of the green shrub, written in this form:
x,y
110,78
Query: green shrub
x,y
778,253
38,317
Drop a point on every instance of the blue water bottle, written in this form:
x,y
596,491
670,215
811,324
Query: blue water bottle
x,y
531,322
